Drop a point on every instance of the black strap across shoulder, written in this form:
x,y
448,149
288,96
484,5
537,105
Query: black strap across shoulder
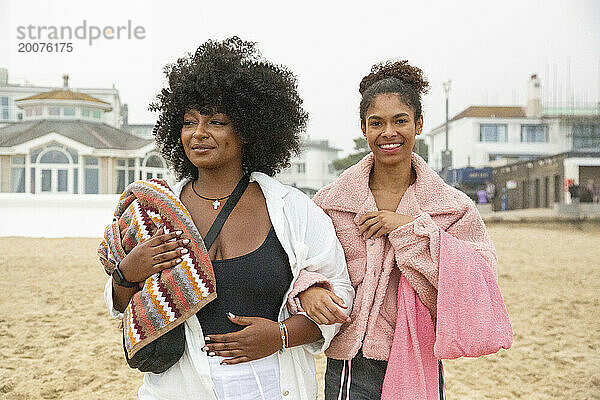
x,y
216,226
163,352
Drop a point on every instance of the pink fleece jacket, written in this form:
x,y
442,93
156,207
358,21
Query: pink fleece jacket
x,y
440,267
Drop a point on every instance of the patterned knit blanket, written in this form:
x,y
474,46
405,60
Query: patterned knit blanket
x,y
169,297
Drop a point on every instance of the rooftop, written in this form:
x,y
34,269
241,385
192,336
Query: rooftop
x,y
93,134
491,112
63,94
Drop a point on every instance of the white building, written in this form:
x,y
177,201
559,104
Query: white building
x,y
62,146
11,92
141,130
482,136
313,168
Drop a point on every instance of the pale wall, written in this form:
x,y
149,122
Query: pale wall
x,y
55,215
4,173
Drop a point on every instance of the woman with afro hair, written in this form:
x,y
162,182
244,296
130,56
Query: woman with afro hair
x,y
418,254
227,115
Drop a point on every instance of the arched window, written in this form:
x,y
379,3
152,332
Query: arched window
x,y
54,170
154,161
153,167
54,157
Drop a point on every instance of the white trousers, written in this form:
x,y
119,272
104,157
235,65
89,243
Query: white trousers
x,y
254,380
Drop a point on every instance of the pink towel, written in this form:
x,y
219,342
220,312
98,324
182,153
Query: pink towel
x,y
412,368
471,321
471,317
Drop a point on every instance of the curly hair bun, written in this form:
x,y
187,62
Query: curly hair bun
x,y
402,70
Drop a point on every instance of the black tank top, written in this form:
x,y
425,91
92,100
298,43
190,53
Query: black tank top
x,y
251,285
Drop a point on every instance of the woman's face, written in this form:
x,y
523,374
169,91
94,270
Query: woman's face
x,y
209,141
390,128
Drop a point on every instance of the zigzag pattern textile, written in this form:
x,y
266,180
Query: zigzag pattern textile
x,y
173,295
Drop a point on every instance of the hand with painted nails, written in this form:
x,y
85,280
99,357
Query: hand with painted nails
x,y
375,224
159,252
322,306
260,338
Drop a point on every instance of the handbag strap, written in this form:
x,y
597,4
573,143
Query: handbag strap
x,y
216,226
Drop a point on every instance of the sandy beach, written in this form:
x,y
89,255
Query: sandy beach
x,y
58,341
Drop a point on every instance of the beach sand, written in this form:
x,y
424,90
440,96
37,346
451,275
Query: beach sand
x,y
57,340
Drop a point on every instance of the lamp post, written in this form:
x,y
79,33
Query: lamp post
x,y
447,154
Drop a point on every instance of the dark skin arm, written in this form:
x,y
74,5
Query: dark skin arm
x,y
260,338
159,252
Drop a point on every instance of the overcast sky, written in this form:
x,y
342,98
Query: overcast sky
x,y
488,49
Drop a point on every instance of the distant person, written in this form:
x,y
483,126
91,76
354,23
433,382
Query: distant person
x,y
586,192
482,196
593,190
574,192
418,255
490,190
228,121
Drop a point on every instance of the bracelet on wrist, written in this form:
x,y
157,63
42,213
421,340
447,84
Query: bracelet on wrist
x,y
119,278
284,335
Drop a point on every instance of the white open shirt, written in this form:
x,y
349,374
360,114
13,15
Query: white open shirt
x,y
308,237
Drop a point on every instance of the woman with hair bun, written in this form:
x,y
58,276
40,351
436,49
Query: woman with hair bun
x,y
418,255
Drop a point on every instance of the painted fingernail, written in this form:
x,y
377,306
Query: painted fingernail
x,y
207,339
205,348
212,353
183,251
179,232
186,241
179,260
230,315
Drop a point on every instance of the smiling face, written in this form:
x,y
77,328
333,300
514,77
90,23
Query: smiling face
x,y
209,141
390,129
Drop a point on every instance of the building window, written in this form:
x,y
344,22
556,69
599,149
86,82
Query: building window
x,y
125,173
38,110
73,154
54,157
96,114
492,133
69,111
152,167
154,161
75,180
17,174
586,136
53,167
4,107
17,180
301,168
29,112
20,116
32,187
534,133
54,111
91,175
91,161
85,112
